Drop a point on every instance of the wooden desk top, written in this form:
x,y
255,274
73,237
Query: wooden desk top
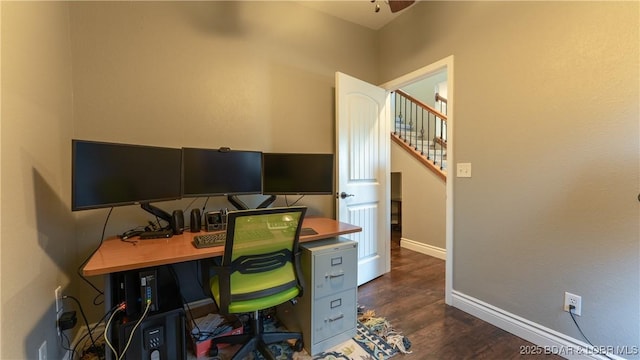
x,y
115,255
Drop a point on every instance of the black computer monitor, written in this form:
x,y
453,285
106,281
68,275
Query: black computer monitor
x,y
216,172
111,174
301,174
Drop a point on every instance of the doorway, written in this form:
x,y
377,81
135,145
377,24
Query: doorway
x,y
444,65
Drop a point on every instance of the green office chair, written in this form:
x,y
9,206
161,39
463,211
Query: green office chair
x,y
260,269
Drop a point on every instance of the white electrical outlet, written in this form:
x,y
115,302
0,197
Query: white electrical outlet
x,y
575,300
58,295
59,307
42,351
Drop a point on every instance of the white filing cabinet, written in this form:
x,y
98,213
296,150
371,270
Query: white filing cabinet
x,y
327,311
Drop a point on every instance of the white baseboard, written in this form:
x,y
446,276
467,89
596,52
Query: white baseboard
x,y
423,248
547,340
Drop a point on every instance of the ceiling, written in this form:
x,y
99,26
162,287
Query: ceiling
x,y
360,12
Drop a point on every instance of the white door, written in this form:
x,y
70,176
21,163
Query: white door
x,y
362,153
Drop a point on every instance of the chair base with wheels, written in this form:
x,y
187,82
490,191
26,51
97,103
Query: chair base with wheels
x,y
256,339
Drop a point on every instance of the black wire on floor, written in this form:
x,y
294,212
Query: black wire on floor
x,y
571,308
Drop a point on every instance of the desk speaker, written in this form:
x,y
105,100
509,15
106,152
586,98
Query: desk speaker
x,y
177,222
196,222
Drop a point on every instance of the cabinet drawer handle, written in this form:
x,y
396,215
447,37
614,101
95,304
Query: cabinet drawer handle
x,y
336,318
331,276
335,303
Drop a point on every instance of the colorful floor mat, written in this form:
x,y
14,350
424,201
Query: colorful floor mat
x,y
365,345
375,340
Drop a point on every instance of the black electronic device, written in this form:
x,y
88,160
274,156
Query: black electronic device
x,y
130,233
134,287
156,234
196,221
149,289
177,222
67,321
297,174
215,172
112,174
216,220
158,336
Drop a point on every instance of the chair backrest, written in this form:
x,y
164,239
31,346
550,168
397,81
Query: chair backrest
x,y
261,253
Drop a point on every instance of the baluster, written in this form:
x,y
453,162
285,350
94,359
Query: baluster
x,y
412,106
428,136
404,124
438,129
422,132
395,113
441,143
400,117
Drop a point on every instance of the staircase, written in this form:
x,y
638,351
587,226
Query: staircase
x,y
421,130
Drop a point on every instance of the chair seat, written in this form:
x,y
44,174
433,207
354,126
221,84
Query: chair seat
x,y
262,303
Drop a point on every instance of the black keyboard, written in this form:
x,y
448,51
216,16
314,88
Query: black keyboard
x,y
209,240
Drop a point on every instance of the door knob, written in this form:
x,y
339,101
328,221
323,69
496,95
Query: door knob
x,y
344,195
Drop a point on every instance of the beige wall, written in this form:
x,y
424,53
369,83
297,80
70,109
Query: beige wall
x,y
248,75
423,90
546,110
423,200
38,240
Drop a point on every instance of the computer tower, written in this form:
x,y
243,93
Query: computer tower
x,y
158,337
156,284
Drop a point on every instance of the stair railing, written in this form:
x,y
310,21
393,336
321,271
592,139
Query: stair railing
x,y
421,128
441,102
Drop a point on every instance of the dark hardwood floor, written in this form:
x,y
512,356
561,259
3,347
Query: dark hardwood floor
x,y
411,298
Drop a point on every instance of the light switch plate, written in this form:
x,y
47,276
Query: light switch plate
x,y
463,170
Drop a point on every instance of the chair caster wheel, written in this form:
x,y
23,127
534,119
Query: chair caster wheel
x,y
213,351
298,346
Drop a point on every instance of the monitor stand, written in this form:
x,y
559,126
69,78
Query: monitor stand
x,y
240,205
237,203
265,204
156,211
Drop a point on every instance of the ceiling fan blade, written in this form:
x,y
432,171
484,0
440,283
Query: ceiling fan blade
x,y
397,5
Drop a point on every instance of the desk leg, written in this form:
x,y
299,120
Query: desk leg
x,y
108,304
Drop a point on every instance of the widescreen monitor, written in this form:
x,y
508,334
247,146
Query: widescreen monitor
x,y
301,174
111,174
216,172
